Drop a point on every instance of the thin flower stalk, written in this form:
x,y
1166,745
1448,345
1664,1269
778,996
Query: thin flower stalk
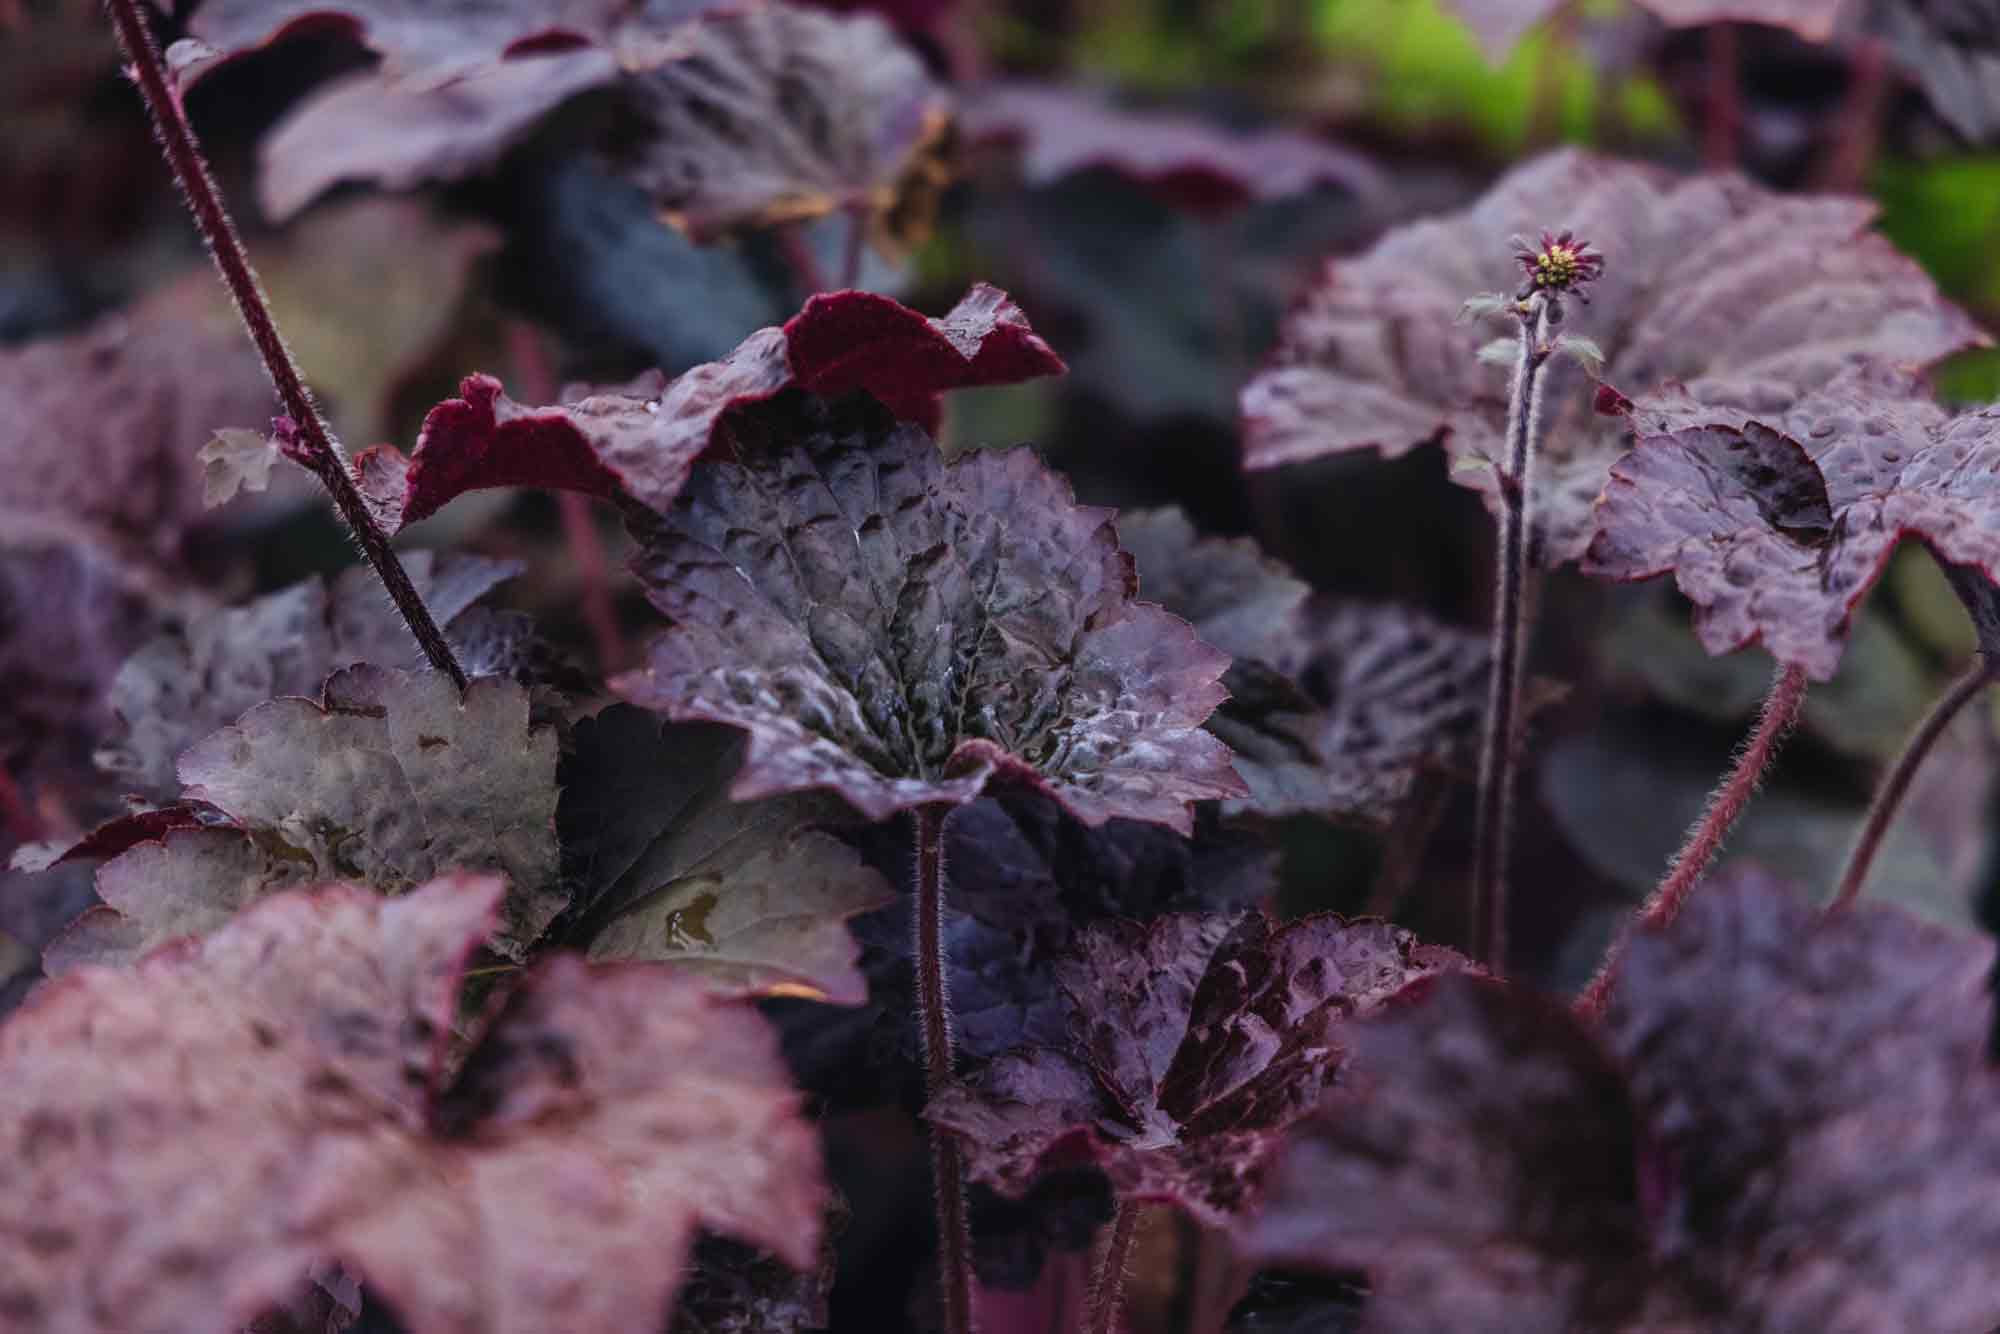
x,y
308,440
1107,1285
934,1015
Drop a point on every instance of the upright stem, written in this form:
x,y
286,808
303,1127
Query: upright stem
x,y
1498,749
316,447
1725,804
1107,1285
857,237
934,1013
1722,112
1882,811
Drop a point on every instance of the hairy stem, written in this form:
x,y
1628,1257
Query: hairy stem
x,y
934,1013
1499,747
1889,796
1725,804
316,448
1107,1285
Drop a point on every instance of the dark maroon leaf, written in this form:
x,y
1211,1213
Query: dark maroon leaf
x,y
201,674
750,896
1786,1125
1194,1041
729,119
902,630
1776,521
1709,280
1335,708
844,341
640,442
1193,164
183,1139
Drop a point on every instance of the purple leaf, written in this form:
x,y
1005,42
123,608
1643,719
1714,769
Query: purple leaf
x,y
750,897
1710,280
640,442
1766,1074
183,1139
1777,521
902,630
202,674
1207,170
1335,708
1195,1041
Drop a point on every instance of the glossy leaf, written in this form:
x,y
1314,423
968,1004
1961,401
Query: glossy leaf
x,y
1710,281
902,630
1777,520
1194,1041
751,897
184,1138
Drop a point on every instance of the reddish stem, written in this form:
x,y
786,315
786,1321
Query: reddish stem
x,y
857,237
804,265
1846,163
1107,1285
316,447
1895,783
1725,805
934,1013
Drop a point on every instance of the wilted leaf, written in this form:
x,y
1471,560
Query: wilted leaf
x,y
901,630
397,778
641,442
1765,1075
1194,1042
1196,165
202,674
1709,280
181,1140
749,897
235,460
1776,520
1334,708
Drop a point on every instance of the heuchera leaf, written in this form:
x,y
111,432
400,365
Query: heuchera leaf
x,y
729,119
181,1140
1709,280
640,443
1335,708
202,674
750,897
1194,1041
1193,164
396,778
900,630
1776,522
1765,1076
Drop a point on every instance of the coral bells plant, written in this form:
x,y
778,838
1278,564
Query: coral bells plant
x,y
927,885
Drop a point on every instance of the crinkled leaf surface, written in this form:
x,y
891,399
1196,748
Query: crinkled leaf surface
x,y
1195,1040
751,897
899,629
1764,1077
1709,280
184,1138
1334,708
1024,878
202,673
1197,165
641,441
395,779
1776,519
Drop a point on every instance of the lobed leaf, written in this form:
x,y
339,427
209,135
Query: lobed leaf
x,y
1195,1040
183,1139
203,673
751,897
1203,168
901,630
1776,519
1710,281
1764,1075
641,442
1335,708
